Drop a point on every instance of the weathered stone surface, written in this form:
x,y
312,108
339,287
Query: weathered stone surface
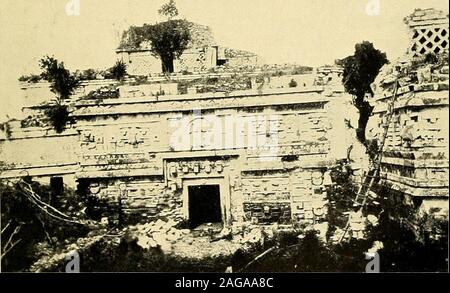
x,y
416,150
429,31
268,152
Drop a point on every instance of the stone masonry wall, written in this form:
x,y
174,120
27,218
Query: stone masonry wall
x,y
267,151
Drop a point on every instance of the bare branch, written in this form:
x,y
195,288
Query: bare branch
x,y
6,227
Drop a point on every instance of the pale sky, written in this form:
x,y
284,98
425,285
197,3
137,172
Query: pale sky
x,y
308,32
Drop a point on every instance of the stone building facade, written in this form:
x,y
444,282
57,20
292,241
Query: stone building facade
x,y
203,53
415,158
258,156
416,153
429,29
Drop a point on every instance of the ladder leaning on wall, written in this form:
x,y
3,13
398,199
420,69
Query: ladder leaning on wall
x,y
374,170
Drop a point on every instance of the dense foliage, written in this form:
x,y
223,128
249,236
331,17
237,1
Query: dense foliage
x,y
119,70
35,228
62,82
360,70
167,39
58,116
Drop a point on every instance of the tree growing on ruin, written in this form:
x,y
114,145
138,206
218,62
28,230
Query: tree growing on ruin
x,y
167,39
63,84
360,70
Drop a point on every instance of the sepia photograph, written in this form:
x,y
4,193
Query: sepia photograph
x,y
224,136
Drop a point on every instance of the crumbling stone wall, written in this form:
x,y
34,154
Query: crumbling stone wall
x,y
267,151
197,60
415,157
415,154
137,198
140,62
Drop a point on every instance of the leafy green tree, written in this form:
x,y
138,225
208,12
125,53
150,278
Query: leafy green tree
x,y
360,70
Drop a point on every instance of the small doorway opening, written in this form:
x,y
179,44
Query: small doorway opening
x,y
57,190
204,205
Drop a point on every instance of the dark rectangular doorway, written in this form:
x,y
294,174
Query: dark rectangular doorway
x,y
204,205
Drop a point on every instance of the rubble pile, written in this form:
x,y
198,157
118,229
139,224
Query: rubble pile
x,y
34,121
51,261
106,92
158,234
215,84
207,240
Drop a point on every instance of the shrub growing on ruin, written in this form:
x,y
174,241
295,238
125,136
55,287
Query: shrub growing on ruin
x,y
88,74
431,58
119,70
34,227
32,78
58,116
63,84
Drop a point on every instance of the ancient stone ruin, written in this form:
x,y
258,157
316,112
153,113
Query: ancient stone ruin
x,y
415,158
203,54
254,155
429,32
255,148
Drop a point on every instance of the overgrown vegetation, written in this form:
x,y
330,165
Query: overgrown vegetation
x,y
62,84
411,241
119,70
106,92
59,116
32,78
292,83
6,129
167,39
360,70
340,196
32,230
215,84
